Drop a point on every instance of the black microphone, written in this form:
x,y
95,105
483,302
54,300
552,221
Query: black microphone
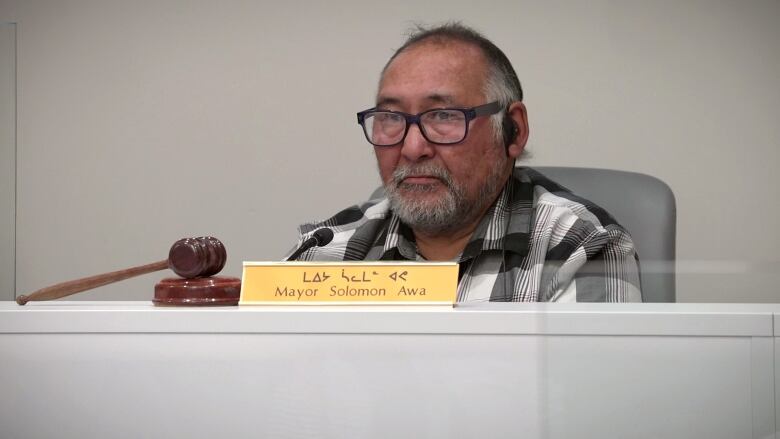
x,y
319,238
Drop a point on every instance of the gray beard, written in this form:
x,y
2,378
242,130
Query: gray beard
x,y
452,210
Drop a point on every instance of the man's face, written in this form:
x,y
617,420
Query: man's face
x,y
438,188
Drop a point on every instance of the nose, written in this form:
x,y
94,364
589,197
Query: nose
x,y
415,147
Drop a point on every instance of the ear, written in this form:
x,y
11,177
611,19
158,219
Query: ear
x,y
517,113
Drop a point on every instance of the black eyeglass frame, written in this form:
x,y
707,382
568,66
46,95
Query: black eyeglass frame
x,y
468,113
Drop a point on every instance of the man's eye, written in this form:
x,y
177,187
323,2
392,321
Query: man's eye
x,y
444,116
388,117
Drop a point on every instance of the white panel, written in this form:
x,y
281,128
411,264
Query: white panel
x,y
777,388
762,376
352,385
246,372
648,387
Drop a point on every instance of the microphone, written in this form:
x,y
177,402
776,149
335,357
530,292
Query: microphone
x,y
319,238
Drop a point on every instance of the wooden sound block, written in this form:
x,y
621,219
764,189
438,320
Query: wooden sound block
x,y
201,291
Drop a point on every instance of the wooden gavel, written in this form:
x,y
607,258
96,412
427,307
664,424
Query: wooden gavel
x,y
190,258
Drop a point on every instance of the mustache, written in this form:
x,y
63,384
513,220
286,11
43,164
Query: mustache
x,y
424,169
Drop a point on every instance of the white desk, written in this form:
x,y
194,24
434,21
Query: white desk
x,y
130,370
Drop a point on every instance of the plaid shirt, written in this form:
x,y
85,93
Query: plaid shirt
x,y
538,242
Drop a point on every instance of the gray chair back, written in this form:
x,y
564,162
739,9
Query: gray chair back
x,y
645,206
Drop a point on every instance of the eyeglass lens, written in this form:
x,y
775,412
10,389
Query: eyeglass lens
x,y
439,126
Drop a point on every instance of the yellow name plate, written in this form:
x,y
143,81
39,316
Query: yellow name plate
x,y
349,283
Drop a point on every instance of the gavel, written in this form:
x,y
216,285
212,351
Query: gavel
x,y
196,260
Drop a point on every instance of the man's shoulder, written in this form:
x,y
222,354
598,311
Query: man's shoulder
x,y
554,199
356,232
587,255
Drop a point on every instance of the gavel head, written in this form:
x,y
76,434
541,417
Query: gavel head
x,y
197,257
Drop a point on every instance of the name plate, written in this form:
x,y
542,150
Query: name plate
x,y
349,283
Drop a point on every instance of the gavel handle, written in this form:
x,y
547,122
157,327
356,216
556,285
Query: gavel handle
x,y
76,286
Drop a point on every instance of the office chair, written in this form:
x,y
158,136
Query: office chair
x,y
644,205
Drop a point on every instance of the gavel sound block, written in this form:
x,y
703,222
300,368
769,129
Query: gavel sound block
x,y
196,260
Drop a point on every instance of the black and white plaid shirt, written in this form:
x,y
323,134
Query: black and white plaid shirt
x,y
538,242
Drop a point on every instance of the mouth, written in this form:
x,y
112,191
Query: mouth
x,y
420,180
423,178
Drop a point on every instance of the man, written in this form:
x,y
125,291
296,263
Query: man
x,y
448,124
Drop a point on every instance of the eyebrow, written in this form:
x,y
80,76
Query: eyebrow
x,y
432,98
383,101
440,99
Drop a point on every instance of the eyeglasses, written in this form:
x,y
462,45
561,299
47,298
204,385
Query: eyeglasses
x,y
442,126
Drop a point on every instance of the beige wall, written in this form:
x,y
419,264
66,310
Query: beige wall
x,y
142,122
7,159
